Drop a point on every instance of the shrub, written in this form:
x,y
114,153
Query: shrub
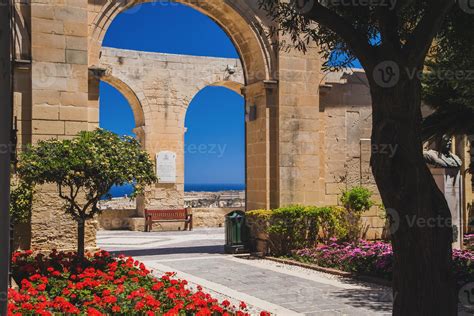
x,y
84,170
291,228
62,284
332,223
21,200
357,200
296,226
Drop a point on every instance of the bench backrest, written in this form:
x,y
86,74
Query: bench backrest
x,y
166,214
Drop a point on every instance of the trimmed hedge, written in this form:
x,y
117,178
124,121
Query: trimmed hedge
x,y
296,226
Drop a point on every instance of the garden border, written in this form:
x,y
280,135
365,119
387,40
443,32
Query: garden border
x,y
340,273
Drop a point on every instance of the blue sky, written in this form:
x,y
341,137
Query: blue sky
x,y
215,118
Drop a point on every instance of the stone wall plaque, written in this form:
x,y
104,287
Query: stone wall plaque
x,y
166,167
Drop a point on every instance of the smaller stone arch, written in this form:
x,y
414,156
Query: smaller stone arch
x,y
231,85
129,95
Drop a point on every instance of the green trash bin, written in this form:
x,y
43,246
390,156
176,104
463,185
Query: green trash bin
x,y
236,233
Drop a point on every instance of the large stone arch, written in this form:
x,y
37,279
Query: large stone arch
x,y
160,87
237,18
285,139
130,96
231,85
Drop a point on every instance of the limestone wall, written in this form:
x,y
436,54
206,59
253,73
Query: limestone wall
x,y
347,125
303,144
128,219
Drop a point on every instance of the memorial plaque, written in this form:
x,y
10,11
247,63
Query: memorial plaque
x,y
166,167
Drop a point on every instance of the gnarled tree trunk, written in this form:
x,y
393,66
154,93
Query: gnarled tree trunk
x,y
81,231
421,220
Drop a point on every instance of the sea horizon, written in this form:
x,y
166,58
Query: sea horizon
x,y
126,190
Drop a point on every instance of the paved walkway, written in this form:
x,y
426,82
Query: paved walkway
x,y
199,257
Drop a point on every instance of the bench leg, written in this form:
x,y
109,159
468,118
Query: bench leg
x,y
191,223
148,225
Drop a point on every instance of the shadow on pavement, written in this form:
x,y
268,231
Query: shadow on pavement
x,y
213,249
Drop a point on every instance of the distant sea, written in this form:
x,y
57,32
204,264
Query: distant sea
x,y
126,190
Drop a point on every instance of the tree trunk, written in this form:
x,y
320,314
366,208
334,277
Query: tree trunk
x,y
421,221
81,224
6,107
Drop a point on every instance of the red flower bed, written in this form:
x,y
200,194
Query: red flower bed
x,y
102,284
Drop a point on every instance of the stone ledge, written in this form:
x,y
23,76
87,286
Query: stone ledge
x,y
315,267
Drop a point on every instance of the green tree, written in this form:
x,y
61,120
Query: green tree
x,y
391,40
84,170
21,200
448,84
356,201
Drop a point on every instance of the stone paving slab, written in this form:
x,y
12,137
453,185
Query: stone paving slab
x,y
198,256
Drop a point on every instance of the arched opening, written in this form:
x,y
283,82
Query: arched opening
x,y
159,86
215,151
238,20
116,105
243,27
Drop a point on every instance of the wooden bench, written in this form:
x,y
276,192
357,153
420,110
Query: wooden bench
x,y
168,216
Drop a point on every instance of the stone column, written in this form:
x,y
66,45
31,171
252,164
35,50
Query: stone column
x,y
299,133
262,184
163,134
60,110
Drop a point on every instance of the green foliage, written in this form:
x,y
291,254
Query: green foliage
x,y
259,214
349,31
86,167
358,199
295,227
448,81
292,227
333,223
21,199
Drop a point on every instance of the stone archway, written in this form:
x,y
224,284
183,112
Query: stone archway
x,y
239,19
130,96
160,88
58,97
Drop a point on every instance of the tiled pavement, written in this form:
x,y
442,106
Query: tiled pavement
x,y
198,257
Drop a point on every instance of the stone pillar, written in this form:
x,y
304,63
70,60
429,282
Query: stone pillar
x,y
60,110
260,135
163,134
299,133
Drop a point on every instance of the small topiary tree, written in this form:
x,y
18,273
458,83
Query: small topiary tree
x,y
85,169
356,200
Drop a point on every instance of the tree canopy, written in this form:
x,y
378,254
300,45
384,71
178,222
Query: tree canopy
x,y
448,83
350,30
85,168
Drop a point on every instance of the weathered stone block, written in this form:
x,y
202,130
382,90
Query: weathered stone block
x,y
46,112
73,128
76,57
48,127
